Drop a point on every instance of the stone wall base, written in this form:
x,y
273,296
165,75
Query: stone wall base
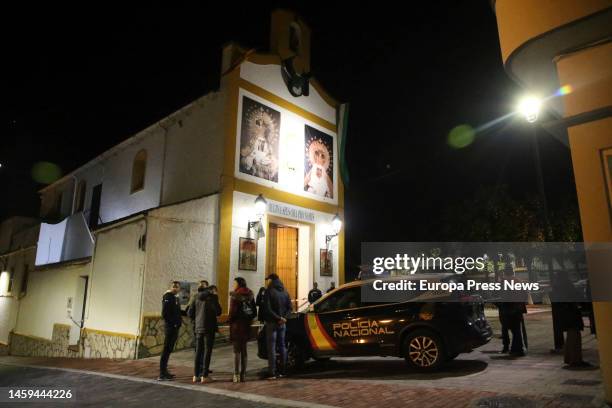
x,y
153,334
108,345
22,345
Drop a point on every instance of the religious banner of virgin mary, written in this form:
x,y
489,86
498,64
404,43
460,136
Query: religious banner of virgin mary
x,y
259,140
318,163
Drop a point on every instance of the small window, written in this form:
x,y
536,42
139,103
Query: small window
x,y
11,280
24,279
138,171
81,190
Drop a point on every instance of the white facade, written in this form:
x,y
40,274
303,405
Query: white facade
x,y
181,245
50,293
267,77
116,280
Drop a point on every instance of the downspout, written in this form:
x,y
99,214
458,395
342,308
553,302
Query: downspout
x,y
142,287
74,191
89,290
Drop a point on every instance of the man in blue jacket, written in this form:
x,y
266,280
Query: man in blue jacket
x,y
276,309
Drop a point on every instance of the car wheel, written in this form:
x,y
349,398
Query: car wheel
x,y
295,356
423,350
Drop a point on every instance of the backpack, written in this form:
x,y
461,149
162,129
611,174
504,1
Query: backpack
x,y
247,310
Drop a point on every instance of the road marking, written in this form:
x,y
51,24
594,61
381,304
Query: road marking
x,y
210,390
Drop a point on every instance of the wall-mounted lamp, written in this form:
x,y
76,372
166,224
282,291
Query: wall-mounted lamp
x,y
336,226
260,210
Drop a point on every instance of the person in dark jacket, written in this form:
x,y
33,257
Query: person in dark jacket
x,y
241,314
259,303
570,321
276,309
171,313
205,312
331,287
315,293
191,304
510,317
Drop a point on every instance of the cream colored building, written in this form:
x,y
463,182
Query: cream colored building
x,y
177,202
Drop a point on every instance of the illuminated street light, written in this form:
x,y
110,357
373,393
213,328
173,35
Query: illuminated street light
x,y
260,210
336,225
529,107
260,206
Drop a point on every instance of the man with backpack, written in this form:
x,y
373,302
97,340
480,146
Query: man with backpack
x,y
276,309
204,313
241,314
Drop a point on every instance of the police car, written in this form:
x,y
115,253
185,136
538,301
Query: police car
x,y
426,333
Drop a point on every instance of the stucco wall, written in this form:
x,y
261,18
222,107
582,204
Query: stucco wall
x,y
21,258
182,244
11,230
45,303
115,287
117,201
194,150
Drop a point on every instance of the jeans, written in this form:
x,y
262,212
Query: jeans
x,y
240,357
203,352
275,341
169,342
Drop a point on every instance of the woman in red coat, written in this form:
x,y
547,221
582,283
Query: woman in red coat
x,y
241,314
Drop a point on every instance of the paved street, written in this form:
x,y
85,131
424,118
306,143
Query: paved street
x,y
479,379
96,391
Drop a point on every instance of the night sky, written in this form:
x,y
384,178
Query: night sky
x,y
77,82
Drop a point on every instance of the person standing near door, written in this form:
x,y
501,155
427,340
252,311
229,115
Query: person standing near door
x,y
276,309
331,287
314,294
171,313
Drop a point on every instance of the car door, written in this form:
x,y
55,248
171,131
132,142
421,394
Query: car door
x,y
338,326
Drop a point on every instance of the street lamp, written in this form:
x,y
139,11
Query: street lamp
x,y
529,107
336,225
260,210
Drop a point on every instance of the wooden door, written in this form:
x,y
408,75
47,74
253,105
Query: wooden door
x,y
283,256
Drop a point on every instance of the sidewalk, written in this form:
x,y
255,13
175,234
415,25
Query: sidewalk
x,y
479,379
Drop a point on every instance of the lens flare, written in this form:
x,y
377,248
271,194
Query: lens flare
x,y
461,136
46,172
564,90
